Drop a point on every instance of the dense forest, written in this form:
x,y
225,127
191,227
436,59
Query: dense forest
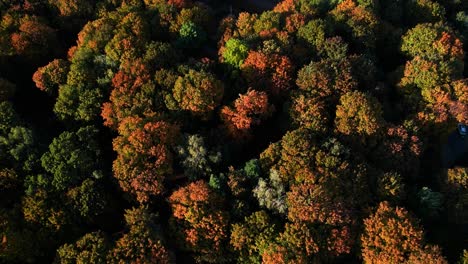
x,y
178,131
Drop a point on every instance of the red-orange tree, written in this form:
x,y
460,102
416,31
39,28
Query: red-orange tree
x,y
132,94
269,72
392,235
199,221
49,77
249,109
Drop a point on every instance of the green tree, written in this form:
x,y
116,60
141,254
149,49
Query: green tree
x,y
313,34
72,157
235,52
191,36
17,142
430,203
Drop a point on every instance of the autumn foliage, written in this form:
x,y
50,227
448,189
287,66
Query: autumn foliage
x,y
200,222
181,131
144,157
393,236
249,110
268,72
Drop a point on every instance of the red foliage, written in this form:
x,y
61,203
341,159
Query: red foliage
x,y
449,45
127,83
200,220
33,36
390,236
271,72
294,22
310,203
249,109
285,6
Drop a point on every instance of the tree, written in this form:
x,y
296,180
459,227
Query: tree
x,y
77,8
401,149
326,79
49,77
235,52
437,61
19,243
191,36
335,49
320,226
129,38
390,187
430,203
143,242
358,21
133,95
270,72
17,142
8,180
45,212
292,157
72,157
456,190
424,11
143,155
313,34
197,161
463,257
199,221
198,91
33,37
392,235
160,55
249,109
309,113
88,200
432,42
91,248
271,193
252,237
358,114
